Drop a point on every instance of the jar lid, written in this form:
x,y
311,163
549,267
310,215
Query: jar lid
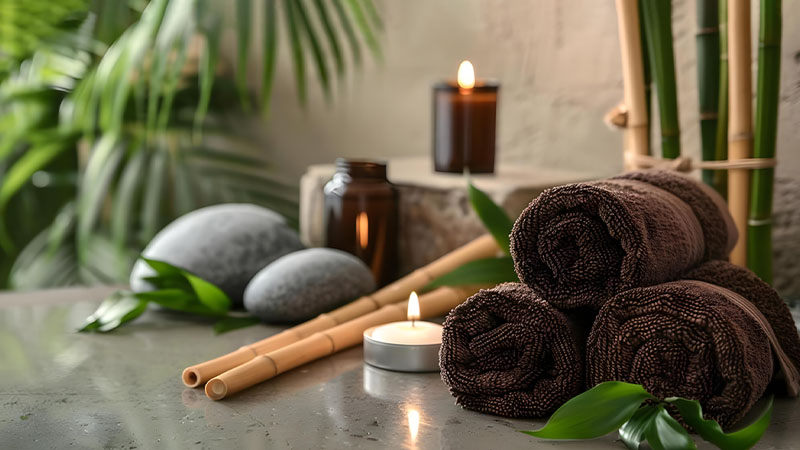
x,y
362,168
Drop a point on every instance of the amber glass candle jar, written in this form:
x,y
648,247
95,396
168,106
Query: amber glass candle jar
x,y
464,127
361,215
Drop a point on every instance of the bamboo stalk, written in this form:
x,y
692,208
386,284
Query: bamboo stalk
x,y
759,225
483,247
657,16
708,79
740,127
635,138
721,176
648,81
328,342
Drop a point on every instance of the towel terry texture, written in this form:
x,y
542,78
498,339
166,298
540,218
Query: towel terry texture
x,y
690,339
505,351
579,245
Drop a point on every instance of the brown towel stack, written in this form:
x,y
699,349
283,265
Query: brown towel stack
x,y
579,245
505,351
697,340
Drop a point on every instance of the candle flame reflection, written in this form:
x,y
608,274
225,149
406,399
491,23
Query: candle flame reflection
x,y
362,229
413,423
413,307
466,75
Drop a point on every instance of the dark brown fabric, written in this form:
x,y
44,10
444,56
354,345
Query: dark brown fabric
x,y
747,284
683,339
580,244
505,351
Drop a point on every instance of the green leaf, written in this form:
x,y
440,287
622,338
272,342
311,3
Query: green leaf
x,y
347,26
493,217
633,431
207,66
231,323
243,26
330,33
363,25
665,433
121,307
208,294
270,52
316,48
297,50
596,412
481,271
19,174
163,268
742,439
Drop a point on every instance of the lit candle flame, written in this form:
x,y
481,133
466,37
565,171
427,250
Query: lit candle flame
x,y
413,423
362,229
466,75
413,308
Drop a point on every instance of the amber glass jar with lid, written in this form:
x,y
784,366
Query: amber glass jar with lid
x,y
361,215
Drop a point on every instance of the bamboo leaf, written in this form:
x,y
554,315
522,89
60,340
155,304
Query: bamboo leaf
x,y
243,26
633,432
665,433
151,210
270,52
120,308
481,271
743,439
493,217
596,412
208,294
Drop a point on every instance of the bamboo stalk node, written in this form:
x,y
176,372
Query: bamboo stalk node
x,y
685,164
740,137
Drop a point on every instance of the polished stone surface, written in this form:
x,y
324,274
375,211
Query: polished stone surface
x,y
61,390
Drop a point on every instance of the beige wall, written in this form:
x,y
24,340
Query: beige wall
x,y
558,64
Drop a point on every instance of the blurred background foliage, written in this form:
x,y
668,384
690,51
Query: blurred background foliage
x,y
116,117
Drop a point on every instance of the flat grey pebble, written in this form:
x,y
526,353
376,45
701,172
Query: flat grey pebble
x,y
301,285
225,244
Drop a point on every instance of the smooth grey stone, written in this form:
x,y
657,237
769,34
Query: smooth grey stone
x,y
303,284
225,244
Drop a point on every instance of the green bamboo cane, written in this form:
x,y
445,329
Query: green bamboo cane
x,y
759,225
707,79
721,176
657,16
648,82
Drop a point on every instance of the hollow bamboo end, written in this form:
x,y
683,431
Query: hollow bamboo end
x,y
190,377
216,389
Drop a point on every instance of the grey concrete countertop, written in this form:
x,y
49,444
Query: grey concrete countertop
x,y
62,390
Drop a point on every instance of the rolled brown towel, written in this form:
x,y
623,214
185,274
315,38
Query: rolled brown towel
x,y
505,351
696,340
579,245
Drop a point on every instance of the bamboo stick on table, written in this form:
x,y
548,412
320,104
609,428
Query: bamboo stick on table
x,y
323,343
740,126
483,247
635,139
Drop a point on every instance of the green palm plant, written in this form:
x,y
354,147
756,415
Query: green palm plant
x,y
121,109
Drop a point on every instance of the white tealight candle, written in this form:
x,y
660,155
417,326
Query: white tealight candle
x,y
411,346
409,333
